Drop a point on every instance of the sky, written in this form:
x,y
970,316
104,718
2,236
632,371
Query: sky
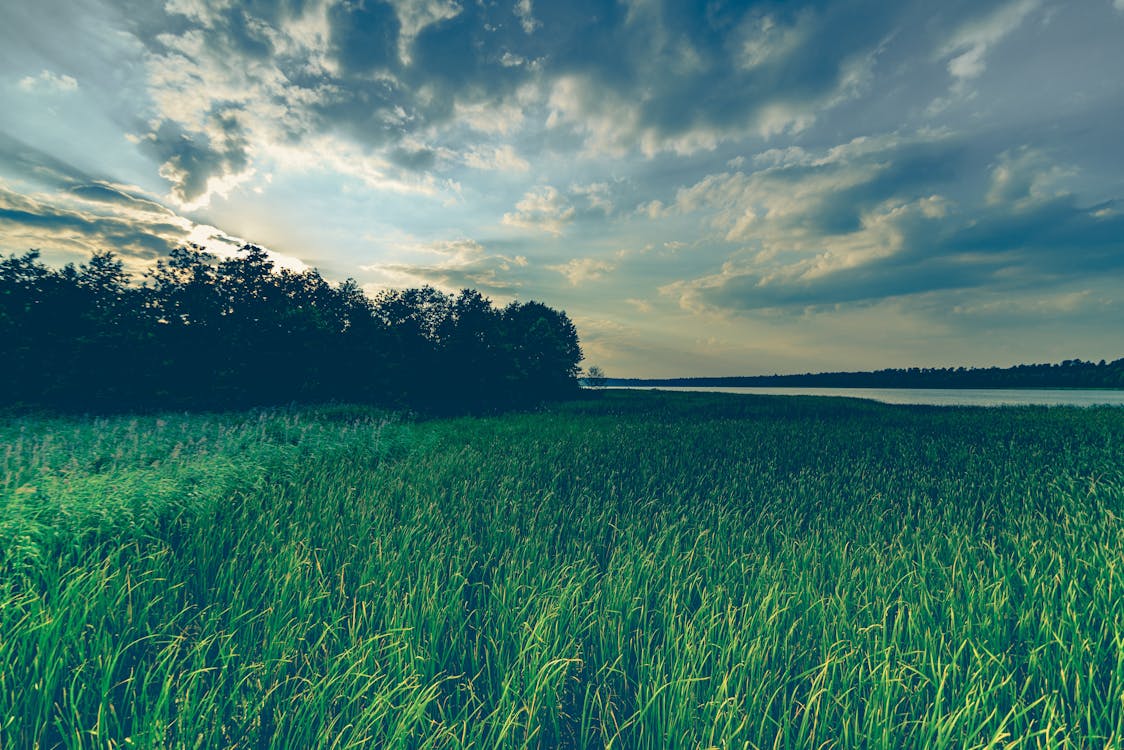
x,y
706,188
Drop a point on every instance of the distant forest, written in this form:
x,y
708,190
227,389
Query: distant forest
x,y
1072,373
200,332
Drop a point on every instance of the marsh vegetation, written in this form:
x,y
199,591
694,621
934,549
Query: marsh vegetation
x,y
628,570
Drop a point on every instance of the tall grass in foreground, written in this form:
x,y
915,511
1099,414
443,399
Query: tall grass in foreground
x,y
641,570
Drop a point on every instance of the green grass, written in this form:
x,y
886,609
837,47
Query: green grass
x,y
636,570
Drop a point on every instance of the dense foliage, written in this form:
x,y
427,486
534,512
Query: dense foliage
x,y
1070,373
236,332
638,570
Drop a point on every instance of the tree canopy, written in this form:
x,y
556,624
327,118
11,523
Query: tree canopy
x,y
198,331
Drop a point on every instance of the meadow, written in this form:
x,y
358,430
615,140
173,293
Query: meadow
x,y
631,570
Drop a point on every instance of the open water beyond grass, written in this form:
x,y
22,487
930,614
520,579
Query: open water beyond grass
x,y
933,396
632,570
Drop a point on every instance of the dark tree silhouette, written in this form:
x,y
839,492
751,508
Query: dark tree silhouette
x,y
1070,373
544,351
204,332
595,377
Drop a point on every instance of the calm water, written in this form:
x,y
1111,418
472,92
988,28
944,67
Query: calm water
x,y
939,396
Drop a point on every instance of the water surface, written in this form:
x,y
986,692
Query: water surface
x,y
935,396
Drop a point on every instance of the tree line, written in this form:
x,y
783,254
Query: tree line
x,y
204,332
1070,373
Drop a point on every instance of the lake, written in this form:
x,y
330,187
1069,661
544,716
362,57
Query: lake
x,y
935,396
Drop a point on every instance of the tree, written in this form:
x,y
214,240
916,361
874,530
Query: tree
x,y
544,352
595,377
204,332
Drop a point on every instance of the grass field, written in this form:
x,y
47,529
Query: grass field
x,y
635,570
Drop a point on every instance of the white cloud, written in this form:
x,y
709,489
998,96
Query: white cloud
x,y
612,125
1044,303
493,118
49,82
526,16
217,185
597,194
204,11
970,44
449,265
1024,177
415,15
498,158
582,270
544,209
792,230
654,209
766,42
99,216
328,154
642,305
223,245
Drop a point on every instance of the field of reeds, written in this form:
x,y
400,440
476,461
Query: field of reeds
x,y
634,570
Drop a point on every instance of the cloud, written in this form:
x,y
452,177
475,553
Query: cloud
x,y
239,87
503,117
68,213
390,92
415,15
498,158
49,83
642,306
411,90
683,83
583,270
970,43
458,264
224,245
525,15
210,163
543,209
36,221
766,42
105,218
1025,176
47,203
862,222
104,192
803,195
597,195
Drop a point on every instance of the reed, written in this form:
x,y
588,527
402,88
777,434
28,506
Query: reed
x,y
635,570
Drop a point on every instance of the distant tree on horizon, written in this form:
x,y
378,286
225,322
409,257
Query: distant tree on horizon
x,y
595,377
